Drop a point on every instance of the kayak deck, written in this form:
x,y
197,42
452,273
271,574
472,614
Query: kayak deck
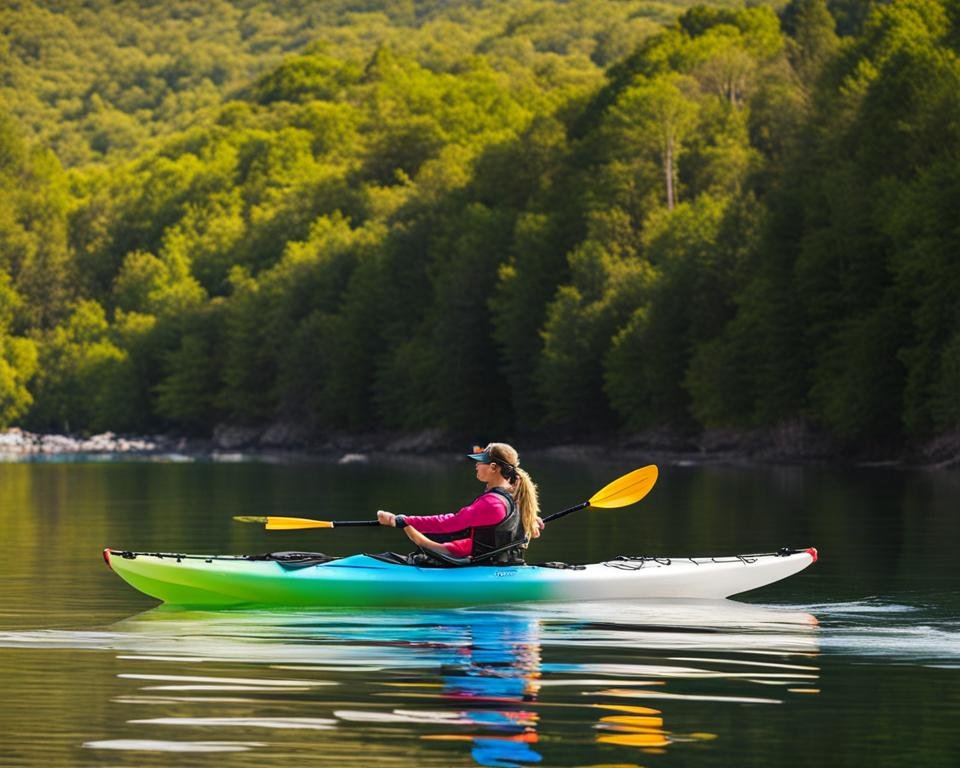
x,y
310,579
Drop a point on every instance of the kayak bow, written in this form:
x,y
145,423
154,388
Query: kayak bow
x,y
309,579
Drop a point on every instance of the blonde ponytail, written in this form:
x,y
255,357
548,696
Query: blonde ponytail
x,y
522,487
525,496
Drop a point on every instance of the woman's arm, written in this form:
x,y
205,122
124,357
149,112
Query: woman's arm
x,y
489,509
423,542
459,548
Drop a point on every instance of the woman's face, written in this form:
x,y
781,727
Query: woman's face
x,y
487,473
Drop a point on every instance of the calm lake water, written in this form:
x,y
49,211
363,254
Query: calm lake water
x,y
854,662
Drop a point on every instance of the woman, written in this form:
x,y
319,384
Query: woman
x,y
505,514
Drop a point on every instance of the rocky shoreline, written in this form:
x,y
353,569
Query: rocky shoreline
x,y
20,443
787,444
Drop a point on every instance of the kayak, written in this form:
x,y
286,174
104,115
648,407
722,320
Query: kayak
x,y
312,579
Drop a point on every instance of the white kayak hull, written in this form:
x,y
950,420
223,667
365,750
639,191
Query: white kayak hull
x,y
364,580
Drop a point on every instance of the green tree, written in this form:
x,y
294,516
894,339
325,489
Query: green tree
x,y
187,393
903,118
526,282
319,378
608,282
84,379
249,367
685,304
18,364
466,259
160,286
812,41
33,226
920,223
18,360
307,77
656,116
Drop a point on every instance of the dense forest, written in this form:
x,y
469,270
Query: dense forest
x,y
486,216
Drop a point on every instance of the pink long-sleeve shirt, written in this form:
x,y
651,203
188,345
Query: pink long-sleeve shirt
x,y
488,509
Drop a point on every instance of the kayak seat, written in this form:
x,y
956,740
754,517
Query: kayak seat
x,y
485,559
424,559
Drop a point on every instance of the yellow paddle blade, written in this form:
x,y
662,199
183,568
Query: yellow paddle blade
x,y
626,490
283,523
293,523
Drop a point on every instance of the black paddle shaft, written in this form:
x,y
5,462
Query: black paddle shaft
x,y
557,515
349,523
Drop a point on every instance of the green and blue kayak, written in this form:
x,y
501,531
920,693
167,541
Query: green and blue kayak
x,y
308,579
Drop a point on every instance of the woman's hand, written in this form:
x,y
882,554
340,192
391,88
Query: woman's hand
x,y
386,518
539,528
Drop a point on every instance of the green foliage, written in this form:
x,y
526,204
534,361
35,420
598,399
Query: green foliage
x,y
831,330
812,40
922,227
18,364
519,305
608,281
100,79
83,376
466,257
18,360
484,216
651,121
249,366
685,304
33,227
318,372
857,374
186,395
306,78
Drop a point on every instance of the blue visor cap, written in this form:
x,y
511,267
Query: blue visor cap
x,y
482,458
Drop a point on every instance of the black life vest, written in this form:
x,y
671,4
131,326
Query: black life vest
x,y
487,538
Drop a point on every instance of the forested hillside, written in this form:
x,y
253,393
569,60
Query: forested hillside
x,y
96,79
485,216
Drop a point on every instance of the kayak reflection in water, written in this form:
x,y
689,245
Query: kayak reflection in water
x,y
495,527
495,674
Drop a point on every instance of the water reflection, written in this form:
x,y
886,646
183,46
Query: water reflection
x,y
597,679
489,673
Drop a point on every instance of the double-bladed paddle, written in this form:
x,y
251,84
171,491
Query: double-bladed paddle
x,y
622,492
273,523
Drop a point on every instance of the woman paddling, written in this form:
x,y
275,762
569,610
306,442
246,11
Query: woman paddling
x,y
500,520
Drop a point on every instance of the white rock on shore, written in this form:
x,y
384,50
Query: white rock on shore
x,y
20,442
